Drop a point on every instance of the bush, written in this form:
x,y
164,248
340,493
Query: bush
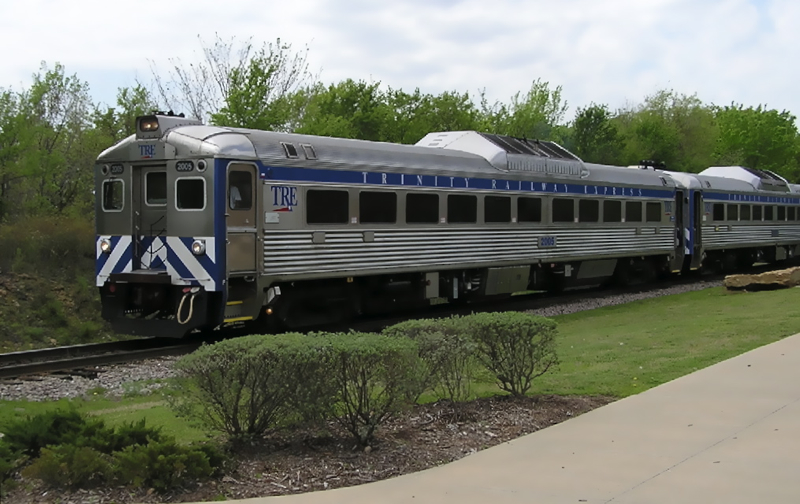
x,y
127,434
161,465
309,367
42,245
54,427
373,374
8,461
70,450
70,466
515,347
447,355
245,386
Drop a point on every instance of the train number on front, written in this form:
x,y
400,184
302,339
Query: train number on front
x,y
547,241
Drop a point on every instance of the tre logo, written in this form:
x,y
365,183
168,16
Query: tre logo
x,y
147,151
284,196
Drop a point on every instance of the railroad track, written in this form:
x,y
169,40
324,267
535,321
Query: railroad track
x,y
85,357
49,360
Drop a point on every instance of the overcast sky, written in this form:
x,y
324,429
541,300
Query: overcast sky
x,y
614,52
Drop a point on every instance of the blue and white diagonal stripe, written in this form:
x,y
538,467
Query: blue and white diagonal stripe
x,y
170,253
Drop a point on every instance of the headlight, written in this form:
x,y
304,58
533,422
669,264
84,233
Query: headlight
x,y
149,123
198,247
105,246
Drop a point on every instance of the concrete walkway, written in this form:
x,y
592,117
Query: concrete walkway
x,y
729,433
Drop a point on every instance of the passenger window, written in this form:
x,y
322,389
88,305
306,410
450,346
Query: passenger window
x,y
462,209
733,212
190,194
719,212
422,208
612,211
633,211
327,207
791,215
529,209
563,210
769,213
240,196
781,213
497,209
113,195
155,188
588,210
653,211
377,207
744,212
757,212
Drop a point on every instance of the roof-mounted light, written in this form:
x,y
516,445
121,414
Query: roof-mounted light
x,y
148,123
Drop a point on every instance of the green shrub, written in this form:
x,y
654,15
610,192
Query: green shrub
x,y
48,245
373,374
246,386
161,465
54,427
70,450
70,466
515,347
128,434
8,460
447,361
217,458
427,333
309,366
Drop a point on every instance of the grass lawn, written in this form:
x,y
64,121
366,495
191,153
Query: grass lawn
x,y
622,350
615,351
114,411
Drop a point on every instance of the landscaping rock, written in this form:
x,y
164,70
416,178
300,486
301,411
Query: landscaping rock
x,y
780,279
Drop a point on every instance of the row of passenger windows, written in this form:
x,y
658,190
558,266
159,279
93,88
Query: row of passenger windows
x,y
331,207
747,212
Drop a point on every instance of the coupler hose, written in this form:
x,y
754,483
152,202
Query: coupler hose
x,y
191,294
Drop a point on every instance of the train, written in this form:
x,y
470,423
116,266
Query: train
x,y
200,227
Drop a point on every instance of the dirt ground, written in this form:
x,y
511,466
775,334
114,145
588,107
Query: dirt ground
x,y
307,461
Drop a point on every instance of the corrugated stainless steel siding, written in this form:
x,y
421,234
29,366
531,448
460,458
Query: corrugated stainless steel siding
x,y
292,252
748,236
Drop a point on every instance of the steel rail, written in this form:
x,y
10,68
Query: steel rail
x,y
49,360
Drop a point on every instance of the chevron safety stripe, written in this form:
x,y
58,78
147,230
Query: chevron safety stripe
x,y
172,254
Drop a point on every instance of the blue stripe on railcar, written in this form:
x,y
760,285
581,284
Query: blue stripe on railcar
x,y
754,198
293,174
220,225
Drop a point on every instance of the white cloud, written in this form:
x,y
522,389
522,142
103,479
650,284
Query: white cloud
x,y
613,52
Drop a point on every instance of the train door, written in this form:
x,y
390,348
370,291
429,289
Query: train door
x,y
241,220
698,212
149,217
681,250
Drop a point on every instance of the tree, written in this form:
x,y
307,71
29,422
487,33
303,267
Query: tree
x,y
53,159
676,129
537,114
595,136
412,116
112,124
11,148
243,87
349,109
758,138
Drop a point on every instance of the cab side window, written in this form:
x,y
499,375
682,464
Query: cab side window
x,y
113,195
240,190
